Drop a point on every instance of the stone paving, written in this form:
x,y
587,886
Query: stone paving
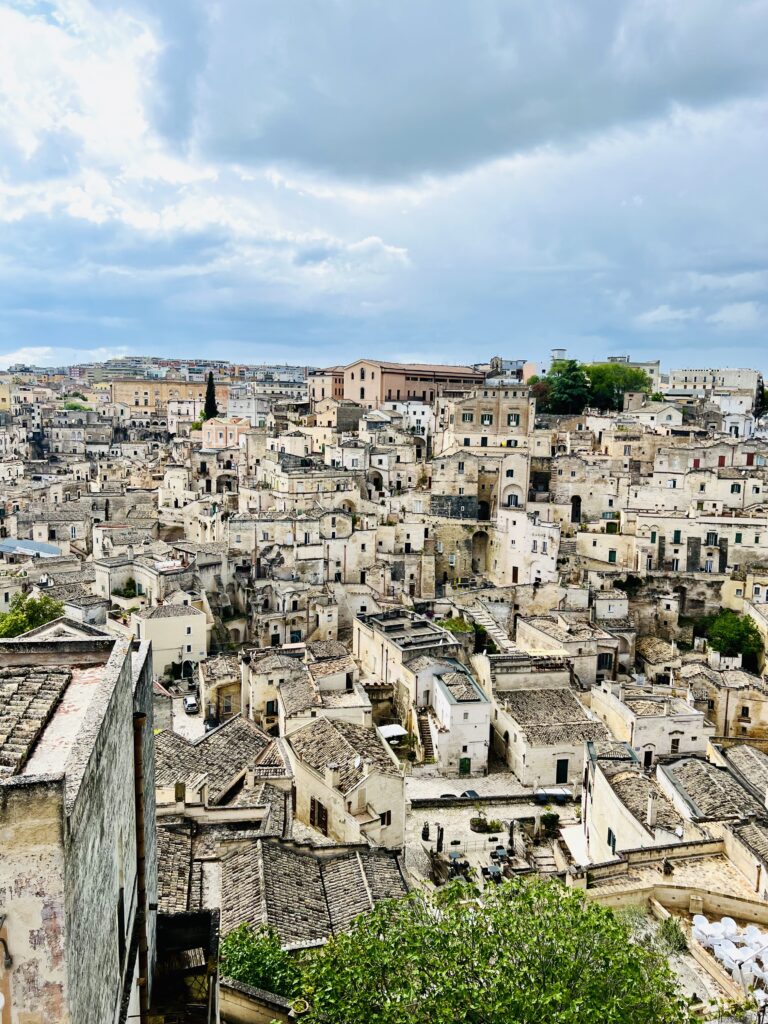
x,y
474,846
426,784
191,727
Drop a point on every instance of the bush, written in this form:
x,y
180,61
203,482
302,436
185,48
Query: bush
x,y
672,936
550,822
255,957
455,625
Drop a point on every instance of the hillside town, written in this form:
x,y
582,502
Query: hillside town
x,y
279,644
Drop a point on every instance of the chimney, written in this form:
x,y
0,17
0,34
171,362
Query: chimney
x,y
650,816
332,777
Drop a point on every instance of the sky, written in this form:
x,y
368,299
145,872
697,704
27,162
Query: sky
x,y
435,180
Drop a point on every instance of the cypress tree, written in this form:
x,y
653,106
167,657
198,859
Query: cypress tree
x,y
211,409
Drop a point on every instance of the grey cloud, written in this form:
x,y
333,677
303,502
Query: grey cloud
x,y
390,88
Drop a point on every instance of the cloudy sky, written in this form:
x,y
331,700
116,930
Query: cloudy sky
x,y
309,180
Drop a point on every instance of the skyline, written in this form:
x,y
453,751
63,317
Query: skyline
x,y
433,184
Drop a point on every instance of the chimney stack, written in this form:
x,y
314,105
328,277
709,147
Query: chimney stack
x,y
651,813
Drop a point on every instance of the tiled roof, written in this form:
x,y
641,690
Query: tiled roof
x,y
298,692
550,716
320,650
348,748
169,611
174,861
709,791
754,835
220,756
750,766
305,895
634,788
28,698
654,649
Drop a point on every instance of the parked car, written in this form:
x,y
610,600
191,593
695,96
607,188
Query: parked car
x,y
471,794
191,705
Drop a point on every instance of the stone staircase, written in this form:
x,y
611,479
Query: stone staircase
x,y
426,736
483,618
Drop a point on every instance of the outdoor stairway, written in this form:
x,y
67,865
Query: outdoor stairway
x,y
484,618
426,736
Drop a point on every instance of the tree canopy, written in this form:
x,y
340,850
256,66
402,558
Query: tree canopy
x,y
28,613
569,388
733,634
211,409
609,382
525,951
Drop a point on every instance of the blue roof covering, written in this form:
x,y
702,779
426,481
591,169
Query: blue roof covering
x,y
13,546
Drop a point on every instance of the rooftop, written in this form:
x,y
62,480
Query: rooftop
x,y
305,894
710,792
352,750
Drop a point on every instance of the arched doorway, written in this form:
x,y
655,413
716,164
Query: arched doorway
x,y
479,551
576,508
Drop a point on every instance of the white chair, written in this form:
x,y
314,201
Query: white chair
x,y
699,921
730,928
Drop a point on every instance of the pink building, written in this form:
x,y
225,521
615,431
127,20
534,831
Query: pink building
x,y
224,433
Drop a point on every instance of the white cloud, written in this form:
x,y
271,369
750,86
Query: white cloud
x,y
49,355
737,316
663,316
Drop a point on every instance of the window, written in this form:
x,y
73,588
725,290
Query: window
x,y
711,539
737,538
461,467
513,419
653,536
735,488
467,417
466,442
612,840
676,537
605,660
452,560
385,819
318,816
227,705
612,555
466,718
672,484
674,745
189,648
486,419
189,630
744,711
362,392
710,705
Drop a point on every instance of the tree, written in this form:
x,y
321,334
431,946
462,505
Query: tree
x,y
211,409
609,383
657,396
28,613
525,951
541,391
256,957
733,634
569,387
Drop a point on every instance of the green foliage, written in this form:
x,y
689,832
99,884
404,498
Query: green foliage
x,y
255,957
542,392
610,381
197,425
732,634
211,409
550,822
569,388
129,590
672,936
525,951
455,625
657,397
28,613
76,407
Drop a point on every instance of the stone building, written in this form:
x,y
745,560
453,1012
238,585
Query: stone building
x,y
78,874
